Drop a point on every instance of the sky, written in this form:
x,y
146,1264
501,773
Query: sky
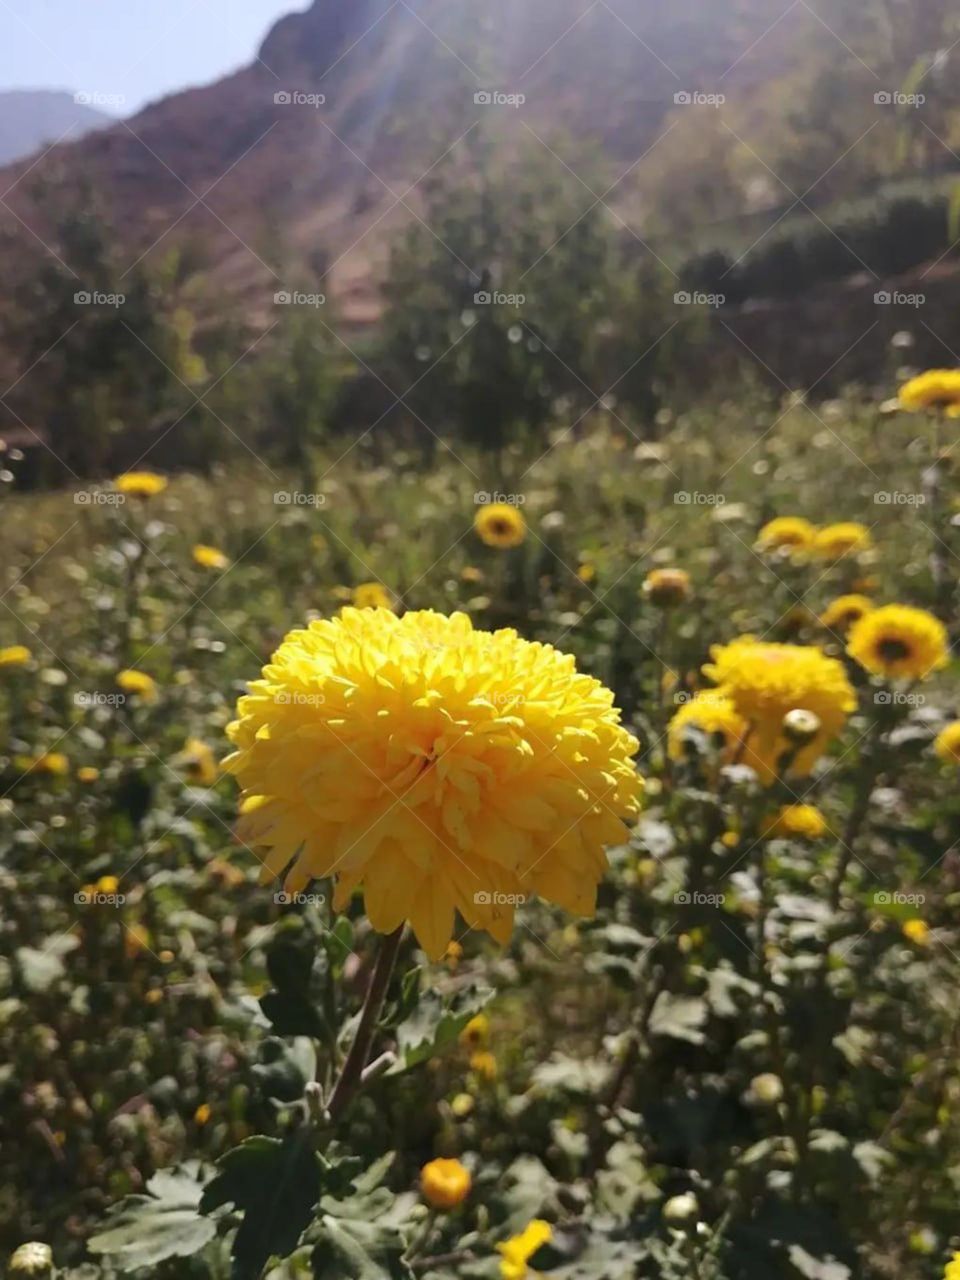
x,y
129,52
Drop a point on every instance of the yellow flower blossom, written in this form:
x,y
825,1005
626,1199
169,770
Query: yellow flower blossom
x,y
947,743
209,557
802,820
841,613
371,595
916,930
899,641
518,1250
787,533
140,484
667,587
500,525
837,540
138,683
445,1184
14,655
935,389
715,715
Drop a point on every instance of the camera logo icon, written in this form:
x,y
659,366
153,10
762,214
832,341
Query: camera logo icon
x,y
482,898
483,98
282,98
282,298
883,98
882,299
482,298
83,298
683,98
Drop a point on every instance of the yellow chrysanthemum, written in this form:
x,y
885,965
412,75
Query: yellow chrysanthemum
x,y
947,743
667,587
371,595
842,613
837,540
477,1032
804,821
787,533
209,557
715,715
484,1064
14,655
500,525
899,641
87,774
518,1250
935,389
140,484
445,1183
198,762
53,762
916,930
138,683
434,767
953,1268
767,681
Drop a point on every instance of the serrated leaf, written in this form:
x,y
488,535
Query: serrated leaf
x,y
143,1231
276,1185
436,1022
357,1250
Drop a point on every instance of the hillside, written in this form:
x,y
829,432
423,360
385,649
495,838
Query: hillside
x,y
33,118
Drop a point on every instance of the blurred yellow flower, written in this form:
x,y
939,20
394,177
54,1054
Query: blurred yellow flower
x,y
138,683
87,773
463,1105
714,714
917,931
841,613
202,1114
477,1032
470,573
53,762
445,1184
666,587
140,484
484,1064
953,1268
371,595
837,540
802,820
765,682
513,770
500,525
947,743
935,389
136,938
198,762
587,572
897,640
518,1250
14,655
787,533
209,557
107,884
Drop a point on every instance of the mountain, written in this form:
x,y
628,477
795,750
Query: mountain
x,y
308,154
33,118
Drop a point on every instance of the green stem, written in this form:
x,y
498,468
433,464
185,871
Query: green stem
x,y
348,1082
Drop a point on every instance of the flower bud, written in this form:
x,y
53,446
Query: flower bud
x,y
800,726
681,1208
766,1088
667,587
33,1259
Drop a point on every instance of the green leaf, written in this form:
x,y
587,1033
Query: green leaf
x,y
284,1070
142,1231
275,1185
292,1007
436,1022
351,1249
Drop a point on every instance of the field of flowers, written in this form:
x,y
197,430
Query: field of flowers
x,y
622,942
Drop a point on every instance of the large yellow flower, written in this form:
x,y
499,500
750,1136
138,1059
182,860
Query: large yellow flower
x,y
500,525
837,540
712,712
899,641
434,767
140,484
935,389
787,533
518,1250
953,1268
841,613
765,682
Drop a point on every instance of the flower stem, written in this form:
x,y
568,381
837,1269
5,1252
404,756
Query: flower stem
x,y
870,769
351,1072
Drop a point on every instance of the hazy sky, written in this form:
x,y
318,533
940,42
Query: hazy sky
x,y
135,50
